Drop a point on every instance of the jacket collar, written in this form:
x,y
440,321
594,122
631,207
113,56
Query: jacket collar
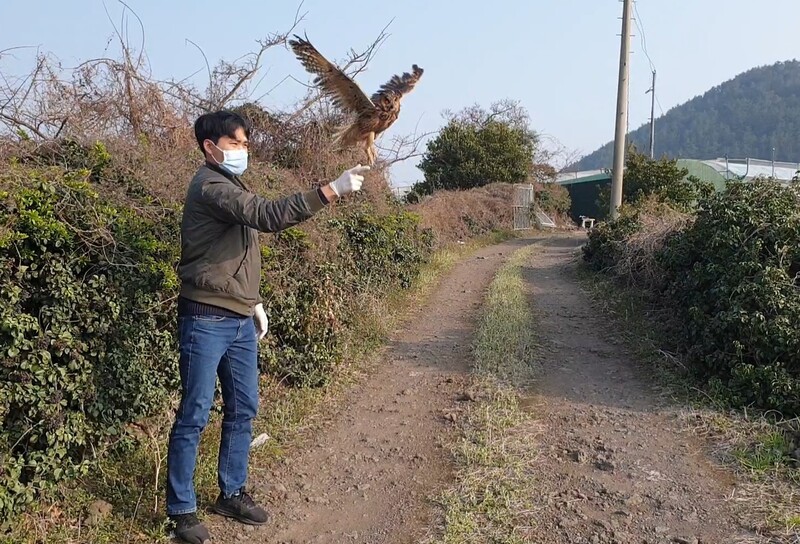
x,y
236,179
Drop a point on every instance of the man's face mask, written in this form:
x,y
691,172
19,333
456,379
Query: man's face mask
x,y
234,160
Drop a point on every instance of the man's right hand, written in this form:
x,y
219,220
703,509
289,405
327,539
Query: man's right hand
x,y
350,181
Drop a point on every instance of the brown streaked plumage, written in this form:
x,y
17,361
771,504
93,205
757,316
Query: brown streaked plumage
x,y
372,115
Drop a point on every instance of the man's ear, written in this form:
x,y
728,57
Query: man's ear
x,y
210,148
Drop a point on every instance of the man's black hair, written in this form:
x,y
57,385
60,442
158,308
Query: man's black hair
x,y
213,126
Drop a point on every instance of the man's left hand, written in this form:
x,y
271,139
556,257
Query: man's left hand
x,y
262,323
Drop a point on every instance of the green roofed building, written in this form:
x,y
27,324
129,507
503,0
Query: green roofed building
x,y
584,187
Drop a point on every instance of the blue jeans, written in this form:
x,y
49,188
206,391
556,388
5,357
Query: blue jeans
x,y
212,346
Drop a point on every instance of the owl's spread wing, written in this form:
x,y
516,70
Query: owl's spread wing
x,y
399,85
334,83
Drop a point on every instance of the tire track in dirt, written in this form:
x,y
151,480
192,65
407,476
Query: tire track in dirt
x,y
615,463
368,476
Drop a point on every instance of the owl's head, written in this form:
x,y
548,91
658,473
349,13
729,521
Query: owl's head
x,y
389,100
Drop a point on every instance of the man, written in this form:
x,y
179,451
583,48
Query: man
x,y
221,316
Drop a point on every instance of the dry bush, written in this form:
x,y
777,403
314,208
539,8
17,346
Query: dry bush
x,y
460,215
636,262
146,123
629,247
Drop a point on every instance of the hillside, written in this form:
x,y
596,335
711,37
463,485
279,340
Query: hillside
x,y
744,117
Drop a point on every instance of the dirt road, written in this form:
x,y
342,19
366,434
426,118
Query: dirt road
x,y
368,476
614,464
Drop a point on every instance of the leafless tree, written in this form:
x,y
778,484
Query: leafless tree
x,y
555,153
506,111
404,147
117,96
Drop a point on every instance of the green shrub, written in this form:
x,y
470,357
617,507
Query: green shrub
x,y
385,252
553,198
606,242
731,275
305,304
479,147
734,276
71,156
310,304
85,327
662,179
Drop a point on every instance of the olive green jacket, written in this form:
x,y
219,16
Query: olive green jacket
x,y
220,256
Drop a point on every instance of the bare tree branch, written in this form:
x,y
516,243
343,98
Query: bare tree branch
x,y
141,26
7,49
114,97
405,147
205,59
555,153
364,58
21,123
242,75
278,84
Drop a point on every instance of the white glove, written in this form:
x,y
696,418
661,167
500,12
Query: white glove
x,y
262,323
350,181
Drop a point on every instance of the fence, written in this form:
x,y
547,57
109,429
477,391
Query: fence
x,y
523,201
525,209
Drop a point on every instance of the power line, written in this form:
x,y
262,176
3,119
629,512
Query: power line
x,y
658,102
640,27
653,117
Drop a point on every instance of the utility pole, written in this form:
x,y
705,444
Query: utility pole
x,y
653,118
622,111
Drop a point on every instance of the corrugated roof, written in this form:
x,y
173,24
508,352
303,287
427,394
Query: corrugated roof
x,y
569,178
704,172
753,168
715,170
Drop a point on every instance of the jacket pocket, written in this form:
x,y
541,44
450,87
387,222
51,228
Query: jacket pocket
x,y
241,263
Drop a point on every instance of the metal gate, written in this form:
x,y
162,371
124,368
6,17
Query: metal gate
x,y
526,214
523,204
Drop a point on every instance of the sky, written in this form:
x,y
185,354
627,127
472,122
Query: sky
x,y
558,58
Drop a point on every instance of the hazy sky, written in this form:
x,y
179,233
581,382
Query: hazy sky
x,y
558,57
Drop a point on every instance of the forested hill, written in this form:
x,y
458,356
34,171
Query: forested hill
x,y
744,117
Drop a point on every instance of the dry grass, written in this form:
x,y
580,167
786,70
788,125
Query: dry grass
x,y
764,455
636,263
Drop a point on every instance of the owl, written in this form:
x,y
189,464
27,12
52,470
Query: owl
x,y
370,116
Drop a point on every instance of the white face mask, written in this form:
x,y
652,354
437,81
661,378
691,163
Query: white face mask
x,y
234,160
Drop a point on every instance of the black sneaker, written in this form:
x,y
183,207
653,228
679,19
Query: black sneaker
x,y
241,507
189,529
